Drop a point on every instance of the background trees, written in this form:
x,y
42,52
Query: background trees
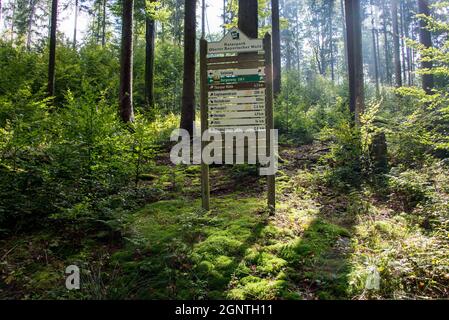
x,y
188,88
126,62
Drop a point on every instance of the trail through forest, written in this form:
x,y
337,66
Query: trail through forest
x,y
317,245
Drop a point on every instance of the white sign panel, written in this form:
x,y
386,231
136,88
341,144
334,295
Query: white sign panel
x,y
240,107
236,122
235,41
237,93
245,100
235,72
236,115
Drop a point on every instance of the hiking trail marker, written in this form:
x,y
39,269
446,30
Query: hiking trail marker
x,y
237,93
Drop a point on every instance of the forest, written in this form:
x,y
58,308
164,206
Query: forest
x,y
91,92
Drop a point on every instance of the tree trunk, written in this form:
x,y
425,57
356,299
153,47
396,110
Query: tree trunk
x,y
426,41
224,17
331,39
396,46
345,40
103,33
52,52
386,44
403,47
276,47
126,63
355,62
75,28
188,88
150,36
32,12
249,18
376,66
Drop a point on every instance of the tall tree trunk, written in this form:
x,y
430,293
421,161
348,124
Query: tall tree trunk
x,y
13,20
376,66
403,47
150,35
249,17
126,62
409,50
345,40
103,32
188,88
276,38
331,38
355,62
396,46
52,53
386,44
224,17
75,28
426,41
32,11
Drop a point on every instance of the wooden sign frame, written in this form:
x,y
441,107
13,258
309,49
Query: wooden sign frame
x,y
244,59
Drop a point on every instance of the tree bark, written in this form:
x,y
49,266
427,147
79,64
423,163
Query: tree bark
x,y
52,52
150,36
75,28
276,33
103,31
396,45
386,44
188,88
30,23
426,40
249,17
345,40
331,39
376,66
355,62
403,47
126,62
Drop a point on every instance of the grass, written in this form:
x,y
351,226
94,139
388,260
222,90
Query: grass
x,y
323,243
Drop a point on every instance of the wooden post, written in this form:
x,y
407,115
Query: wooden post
x,y
269,117
205,188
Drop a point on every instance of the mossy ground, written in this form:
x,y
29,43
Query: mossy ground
x,y
322,243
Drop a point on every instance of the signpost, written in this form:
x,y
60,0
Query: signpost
x,y
237,93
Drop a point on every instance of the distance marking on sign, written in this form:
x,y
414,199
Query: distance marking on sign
x,y
236,86
244,100
237,115
235,122
236,79
237,93
240,107
216,74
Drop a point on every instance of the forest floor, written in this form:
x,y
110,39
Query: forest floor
x,y
322,243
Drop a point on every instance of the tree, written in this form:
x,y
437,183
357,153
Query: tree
x,y
249,17
188,87
126,62
426,40
276,47
386,42
52,53
375,52
396,45
103,30
75,28
355,63
150,35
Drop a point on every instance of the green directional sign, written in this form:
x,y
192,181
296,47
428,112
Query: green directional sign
x,y
236,79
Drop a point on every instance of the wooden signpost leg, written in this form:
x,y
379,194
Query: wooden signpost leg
x,y
205,187
269,117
